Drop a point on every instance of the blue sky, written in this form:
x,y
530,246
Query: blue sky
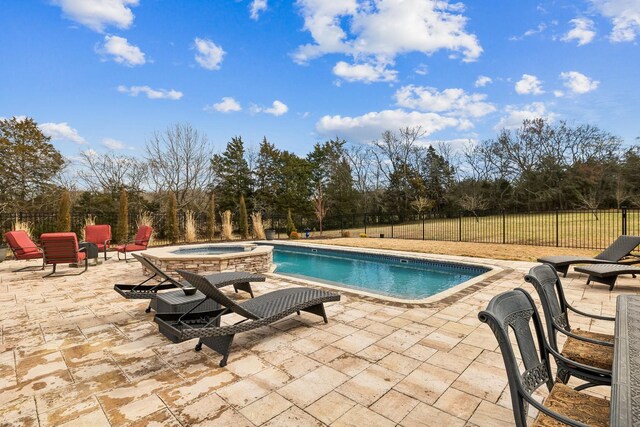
x,y
105,74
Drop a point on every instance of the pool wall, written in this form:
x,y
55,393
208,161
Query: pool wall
x,y
257,260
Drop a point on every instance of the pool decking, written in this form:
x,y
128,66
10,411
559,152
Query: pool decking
x,y
74,352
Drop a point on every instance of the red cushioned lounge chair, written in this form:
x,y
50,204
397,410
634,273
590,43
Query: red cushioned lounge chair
x,y
100,235
139,243
23,247
62,248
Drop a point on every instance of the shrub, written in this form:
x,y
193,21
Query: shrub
x,y
294,235
211,217
227,226
244,220
258,227
363,235
23,225
145,218
88,220
190,234
291,227
63,220
172,231
122,226
345,233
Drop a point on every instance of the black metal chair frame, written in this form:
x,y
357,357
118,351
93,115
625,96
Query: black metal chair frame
x,y
547,284
516,310
53,272
29,267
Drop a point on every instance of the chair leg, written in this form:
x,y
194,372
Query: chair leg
x,y
318,310
243,287
52,272
221,345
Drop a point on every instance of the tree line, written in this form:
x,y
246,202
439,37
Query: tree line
x,y
539,166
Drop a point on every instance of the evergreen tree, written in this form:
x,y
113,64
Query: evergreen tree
x,y
269,166
244,220
232,174
172,231
63,221
438,176
211,217
291,227
122,226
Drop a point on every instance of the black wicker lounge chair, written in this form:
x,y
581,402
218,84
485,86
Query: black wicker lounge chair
x,y
260,311
513,313
240,281
590,354
621,248
606,273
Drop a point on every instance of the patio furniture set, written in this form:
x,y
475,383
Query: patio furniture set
x,y
594,358
64,248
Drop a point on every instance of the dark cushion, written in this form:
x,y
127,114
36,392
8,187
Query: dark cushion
x,y
590,410
596,355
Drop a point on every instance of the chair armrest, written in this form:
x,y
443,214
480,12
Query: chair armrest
x,y
593,316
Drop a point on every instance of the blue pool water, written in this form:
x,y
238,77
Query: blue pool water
x,y
209,250
408,278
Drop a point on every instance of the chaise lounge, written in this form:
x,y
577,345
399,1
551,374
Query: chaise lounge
x,y
621,248
260,311
240,281
23,248
606,273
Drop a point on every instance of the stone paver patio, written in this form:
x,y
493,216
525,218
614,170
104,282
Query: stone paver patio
x,y
74,352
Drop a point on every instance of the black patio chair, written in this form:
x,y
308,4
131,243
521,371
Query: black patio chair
x,y
514,312
260,311
621,248
590,354
239,279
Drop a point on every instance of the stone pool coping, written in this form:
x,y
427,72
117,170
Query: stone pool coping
x,y
167,252
447,296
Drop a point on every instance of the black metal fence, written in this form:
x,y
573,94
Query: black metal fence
x,y
587,229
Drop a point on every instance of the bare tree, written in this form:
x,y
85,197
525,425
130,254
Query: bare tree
x,y
110,172
473,203
320,205
422,204
364,171
179,161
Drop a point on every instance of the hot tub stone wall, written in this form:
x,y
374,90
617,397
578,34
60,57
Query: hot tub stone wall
x,y
253,264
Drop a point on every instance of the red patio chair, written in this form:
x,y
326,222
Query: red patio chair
x,y
62,248
139,243
100,235
23,247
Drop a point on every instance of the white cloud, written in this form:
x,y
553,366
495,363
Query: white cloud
x,y
453,102
366,73
113,144
98,14
151,93
256,7
516,115
209,54
369,126
227,105
582,31
625,16
61,131
375,32
529,85
278,108
578,83
530,32
121,51
482,81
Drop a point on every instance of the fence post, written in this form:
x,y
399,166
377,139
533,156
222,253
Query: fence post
x,y
504,227
341,225
391,218
624,220
422,226
557,228
460,226
365,223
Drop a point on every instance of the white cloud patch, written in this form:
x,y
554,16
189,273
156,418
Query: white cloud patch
x,y
113,144
482,81
98,14
278,108
257,7
369,126
529,85
374,32
209,54
366,73
582,31
226,105
530,32
453,102
624,15
577,83
119,49
516,115
62,132
151,93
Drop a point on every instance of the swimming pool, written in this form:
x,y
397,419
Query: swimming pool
x,y
389,275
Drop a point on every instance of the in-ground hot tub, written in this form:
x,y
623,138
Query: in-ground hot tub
x,y
212,258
